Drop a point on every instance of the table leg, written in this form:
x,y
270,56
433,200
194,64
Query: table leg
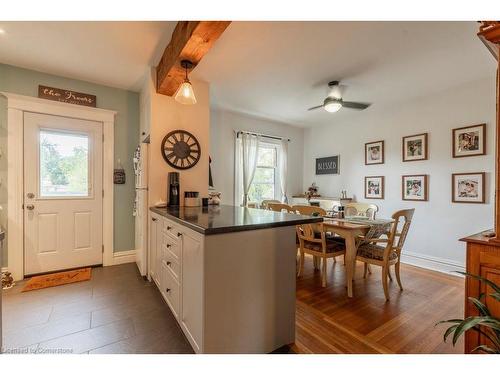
x,y
350,260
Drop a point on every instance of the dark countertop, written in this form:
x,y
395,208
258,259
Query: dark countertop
x,y
227,219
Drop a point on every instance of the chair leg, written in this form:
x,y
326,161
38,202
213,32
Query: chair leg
x,y
315,263
365,270
398,275
384,282
389,273
334,259
323,273
301,264
344,259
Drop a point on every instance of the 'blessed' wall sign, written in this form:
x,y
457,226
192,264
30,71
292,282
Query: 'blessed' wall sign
x,y
66,96
329,165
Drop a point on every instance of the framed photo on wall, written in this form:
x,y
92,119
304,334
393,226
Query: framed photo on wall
x,y
469,141
415,187
415,147
374,187
468,187
374,153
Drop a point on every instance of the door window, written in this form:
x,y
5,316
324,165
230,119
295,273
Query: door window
x,y
64,164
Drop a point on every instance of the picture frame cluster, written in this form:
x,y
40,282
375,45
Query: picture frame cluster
x,y
467,187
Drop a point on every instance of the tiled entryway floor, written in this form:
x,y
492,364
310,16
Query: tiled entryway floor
x,y
115,312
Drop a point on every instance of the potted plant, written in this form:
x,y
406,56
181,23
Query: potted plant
x,y
485,324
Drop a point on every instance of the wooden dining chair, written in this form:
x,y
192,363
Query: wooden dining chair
x,y
309,210
389,253
319,248
279,207
265,203
361,209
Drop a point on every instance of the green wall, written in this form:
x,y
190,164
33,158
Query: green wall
x,y
126,103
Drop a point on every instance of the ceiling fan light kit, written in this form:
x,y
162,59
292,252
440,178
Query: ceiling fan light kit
x,y
185,92
332,105
333,102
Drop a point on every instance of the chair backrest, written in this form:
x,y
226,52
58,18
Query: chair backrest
x,y
309,210
363,209
279,207
402,219
264,204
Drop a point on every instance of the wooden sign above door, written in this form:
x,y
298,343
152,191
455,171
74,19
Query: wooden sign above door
x,y
66,96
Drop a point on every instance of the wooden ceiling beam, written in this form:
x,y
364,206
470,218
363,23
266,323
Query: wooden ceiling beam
x,y
191,40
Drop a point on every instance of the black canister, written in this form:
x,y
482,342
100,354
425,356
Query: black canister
x,y
173,189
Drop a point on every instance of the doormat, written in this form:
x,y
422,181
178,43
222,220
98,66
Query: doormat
x,y
59,278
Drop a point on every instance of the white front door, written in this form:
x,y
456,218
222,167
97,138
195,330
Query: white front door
x,y
62,193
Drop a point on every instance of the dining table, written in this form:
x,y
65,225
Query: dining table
x,y
350,229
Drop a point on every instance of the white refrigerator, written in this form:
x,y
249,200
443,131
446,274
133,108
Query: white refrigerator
x,y
141,207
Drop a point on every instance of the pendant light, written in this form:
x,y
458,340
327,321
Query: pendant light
x,y
185,92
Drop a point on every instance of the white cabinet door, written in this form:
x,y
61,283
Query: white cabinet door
x,y
192,289
154,233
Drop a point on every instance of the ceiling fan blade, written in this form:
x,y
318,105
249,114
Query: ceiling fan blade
x,y
318,106
354,105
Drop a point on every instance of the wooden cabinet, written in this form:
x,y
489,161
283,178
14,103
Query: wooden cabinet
x,y
483,259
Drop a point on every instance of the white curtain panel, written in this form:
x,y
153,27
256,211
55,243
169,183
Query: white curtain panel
x,y
283,169
250,150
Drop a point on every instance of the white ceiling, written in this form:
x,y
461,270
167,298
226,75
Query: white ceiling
x,y
110,53
277,70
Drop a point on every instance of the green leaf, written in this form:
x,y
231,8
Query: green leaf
x,y
486,349
473,321
483,310
450,329
449,321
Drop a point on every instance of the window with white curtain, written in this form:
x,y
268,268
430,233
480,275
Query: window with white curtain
x,y
265,181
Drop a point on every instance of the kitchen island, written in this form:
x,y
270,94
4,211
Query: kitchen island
x,y
228,275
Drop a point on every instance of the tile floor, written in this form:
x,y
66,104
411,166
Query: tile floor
x,y
115,312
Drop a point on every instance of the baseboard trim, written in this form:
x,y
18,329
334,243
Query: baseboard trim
x,y
432,263
122,257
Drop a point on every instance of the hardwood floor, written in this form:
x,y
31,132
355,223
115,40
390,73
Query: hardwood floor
x,y
328,321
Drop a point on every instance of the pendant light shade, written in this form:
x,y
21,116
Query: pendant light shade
x,y
185,92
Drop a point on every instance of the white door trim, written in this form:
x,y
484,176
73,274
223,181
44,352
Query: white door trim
x,y
16,106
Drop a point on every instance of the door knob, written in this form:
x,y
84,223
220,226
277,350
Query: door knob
x,y
30,195
30,207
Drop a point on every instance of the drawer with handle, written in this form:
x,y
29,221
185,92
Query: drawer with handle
x,y
172,263
172,244
171,228
172,291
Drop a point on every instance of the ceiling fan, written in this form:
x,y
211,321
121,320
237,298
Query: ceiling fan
x,y
333,102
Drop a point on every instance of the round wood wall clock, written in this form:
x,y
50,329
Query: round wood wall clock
x,y
180,149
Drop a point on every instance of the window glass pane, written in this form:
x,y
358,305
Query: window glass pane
x,y
267,157
258,192
264,175
64,164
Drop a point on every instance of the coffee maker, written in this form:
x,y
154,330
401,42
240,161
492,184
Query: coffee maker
x,y
173,189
